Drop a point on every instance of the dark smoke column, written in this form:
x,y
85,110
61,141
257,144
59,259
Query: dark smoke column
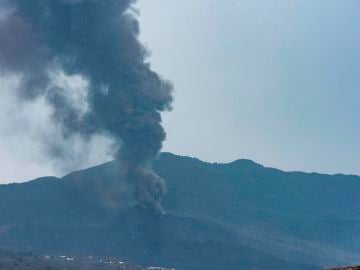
x,y
97,39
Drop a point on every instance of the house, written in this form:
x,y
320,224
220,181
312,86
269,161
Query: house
x,y
346,268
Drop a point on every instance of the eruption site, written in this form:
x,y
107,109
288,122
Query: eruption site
x,y
95,44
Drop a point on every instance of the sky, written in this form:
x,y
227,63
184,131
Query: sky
x,y
274,81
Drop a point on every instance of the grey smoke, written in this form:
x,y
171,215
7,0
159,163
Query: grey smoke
x,y
46,43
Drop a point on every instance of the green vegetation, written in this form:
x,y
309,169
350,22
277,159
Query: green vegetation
x,y
218,215
29,261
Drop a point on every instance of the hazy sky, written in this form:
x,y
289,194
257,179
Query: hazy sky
x,y
274,81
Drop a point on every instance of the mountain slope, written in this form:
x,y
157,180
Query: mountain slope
x,y
256,214
147,238
299,216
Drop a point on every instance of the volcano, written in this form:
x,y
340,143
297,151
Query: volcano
x,y
238,215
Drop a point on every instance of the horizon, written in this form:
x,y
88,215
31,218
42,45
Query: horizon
x,y
179,134
275,82
5,182
249,82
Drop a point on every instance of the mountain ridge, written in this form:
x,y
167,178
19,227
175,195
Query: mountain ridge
x,y
247,161
239,161
298,217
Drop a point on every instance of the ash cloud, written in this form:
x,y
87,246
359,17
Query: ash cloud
x,y
93,44
29,135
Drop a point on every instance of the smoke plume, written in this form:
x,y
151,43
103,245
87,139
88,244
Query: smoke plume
x,y
94,44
